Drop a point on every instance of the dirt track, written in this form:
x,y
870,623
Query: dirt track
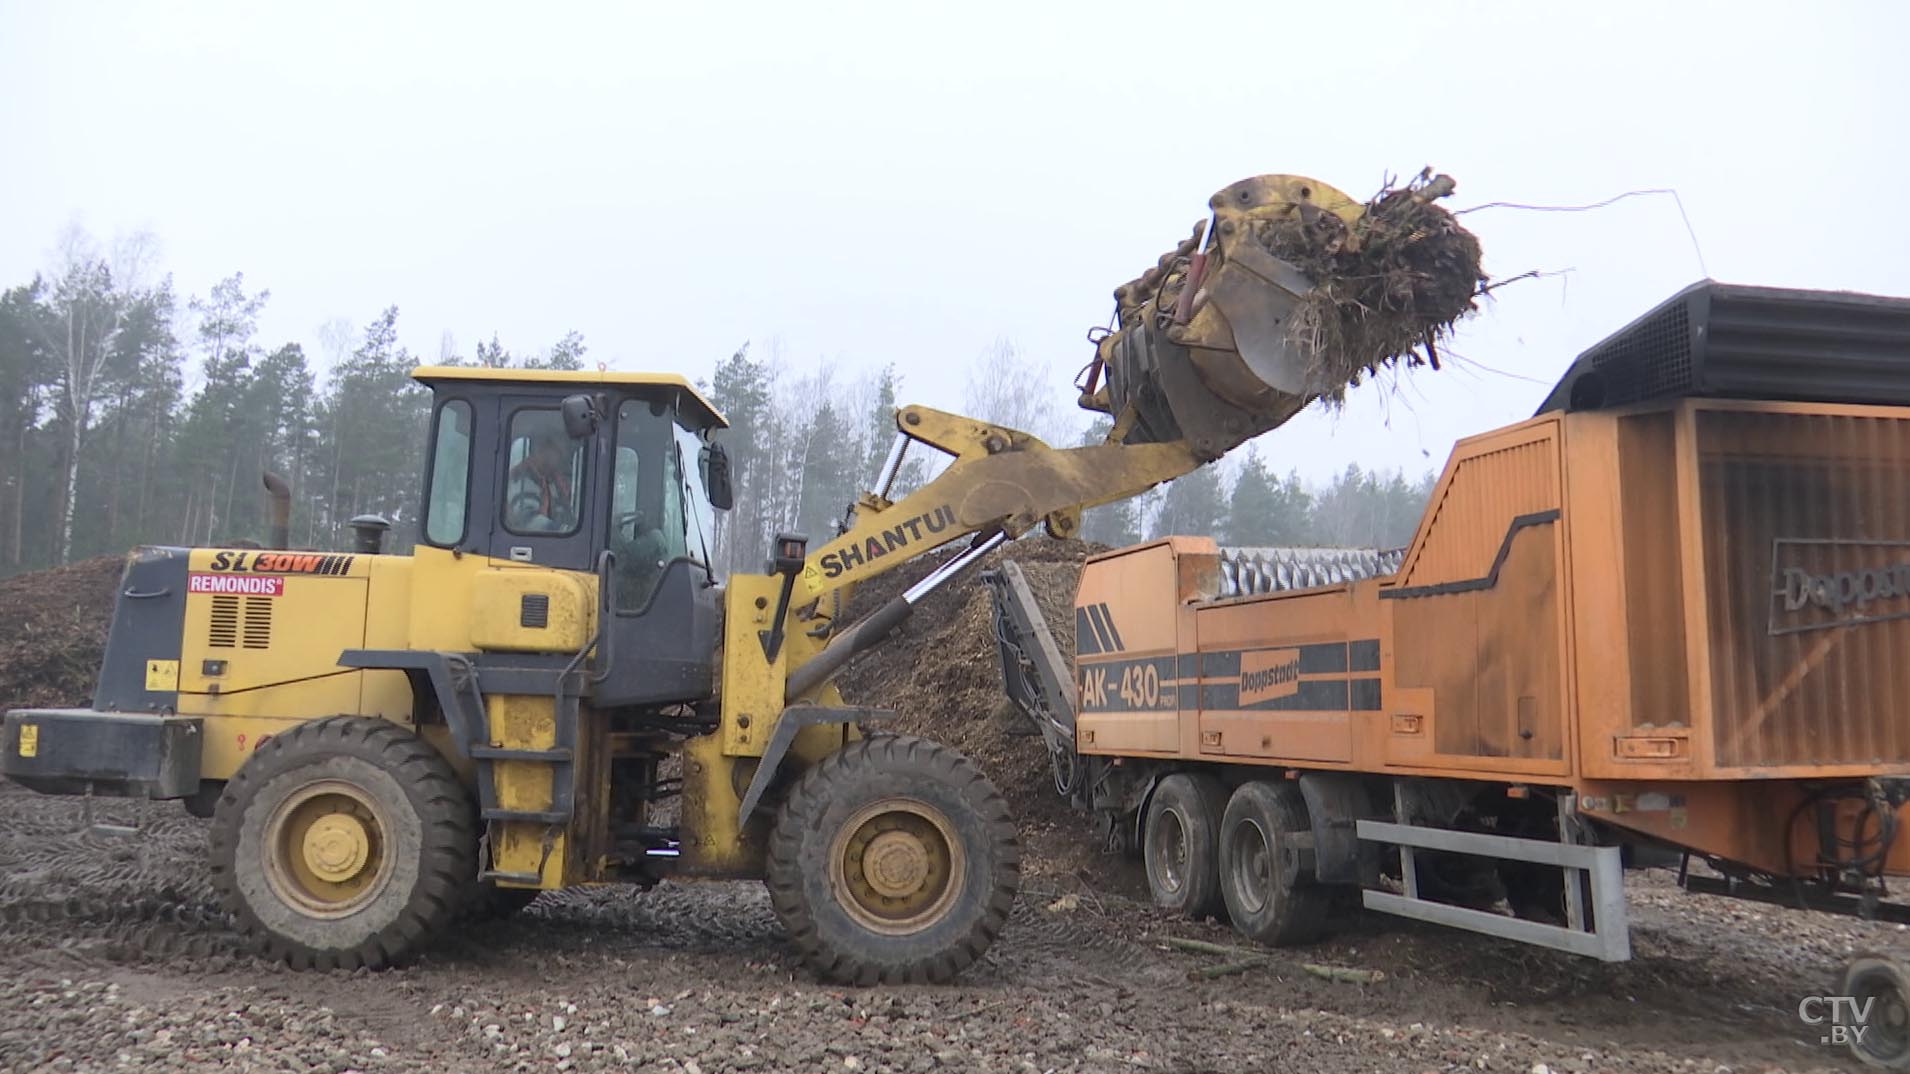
x,y
119,959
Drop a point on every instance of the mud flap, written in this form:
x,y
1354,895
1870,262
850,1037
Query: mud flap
x,y
1336,802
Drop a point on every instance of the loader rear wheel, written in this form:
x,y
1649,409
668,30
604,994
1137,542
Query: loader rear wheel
x,y
1180,844
893,860
343,843
1265,876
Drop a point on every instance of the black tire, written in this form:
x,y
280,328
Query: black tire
x,y
1180,844
364,799
1266,873
1884,1040
954,855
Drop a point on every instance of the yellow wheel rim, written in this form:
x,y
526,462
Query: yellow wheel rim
x,y
326,849
896,867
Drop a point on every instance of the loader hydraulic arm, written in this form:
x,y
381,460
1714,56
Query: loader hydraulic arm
x,y
1001,483
1001,480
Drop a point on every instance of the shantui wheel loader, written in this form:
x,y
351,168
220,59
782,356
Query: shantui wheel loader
x,y
555,688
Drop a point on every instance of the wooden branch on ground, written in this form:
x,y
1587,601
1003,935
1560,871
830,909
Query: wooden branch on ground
x,y
1243,959
1345,974
1202,947
1228,969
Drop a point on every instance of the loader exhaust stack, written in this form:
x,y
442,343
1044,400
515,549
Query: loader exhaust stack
x,y
281,493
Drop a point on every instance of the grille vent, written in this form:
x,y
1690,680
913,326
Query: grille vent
x,y
1796,682
1650,361
258,622
534,611
240,622
225,623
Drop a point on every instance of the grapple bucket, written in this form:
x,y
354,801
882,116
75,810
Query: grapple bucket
x,y
1226,338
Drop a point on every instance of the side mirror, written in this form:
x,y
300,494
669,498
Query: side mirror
x,y
580,416
716,477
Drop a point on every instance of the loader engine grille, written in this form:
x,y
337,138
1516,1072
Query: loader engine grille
x,y
1806,529
225,623
258,622
240,622
1248,571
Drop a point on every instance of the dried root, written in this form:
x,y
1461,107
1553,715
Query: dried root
x,y
1386,290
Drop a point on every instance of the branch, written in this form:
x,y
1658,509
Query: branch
x,y
1345,974
1534,274
1202,947
1228,969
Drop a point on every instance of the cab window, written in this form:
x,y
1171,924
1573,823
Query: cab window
x,y
659,512
690,462
546,476
450,476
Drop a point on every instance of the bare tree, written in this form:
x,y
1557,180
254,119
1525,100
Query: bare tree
x,y
798,399
1006,388
337,337
93,294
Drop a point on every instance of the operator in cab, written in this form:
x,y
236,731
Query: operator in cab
x,y
541,497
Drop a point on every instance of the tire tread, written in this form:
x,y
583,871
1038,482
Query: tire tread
x,y
801,813
448,825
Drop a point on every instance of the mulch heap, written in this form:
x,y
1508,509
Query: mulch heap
x,y
941,674
53,627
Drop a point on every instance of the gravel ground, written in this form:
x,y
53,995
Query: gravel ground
x,y
118,960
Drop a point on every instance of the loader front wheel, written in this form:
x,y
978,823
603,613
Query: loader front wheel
x,y
343,843
893,860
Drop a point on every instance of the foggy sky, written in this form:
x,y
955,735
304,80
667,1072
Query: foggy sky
x,y
906,183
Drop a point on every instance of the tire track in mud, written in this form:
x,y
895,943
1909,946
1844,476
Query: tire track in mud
x,y
121,930
733,918
139,898
716,917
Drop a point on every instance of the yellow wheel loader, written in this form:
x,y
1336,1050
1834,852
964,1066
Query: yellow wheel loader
x,y
556,688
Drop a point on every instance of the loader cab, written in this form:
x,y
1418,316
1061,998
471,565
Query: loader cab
x,y
611,474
